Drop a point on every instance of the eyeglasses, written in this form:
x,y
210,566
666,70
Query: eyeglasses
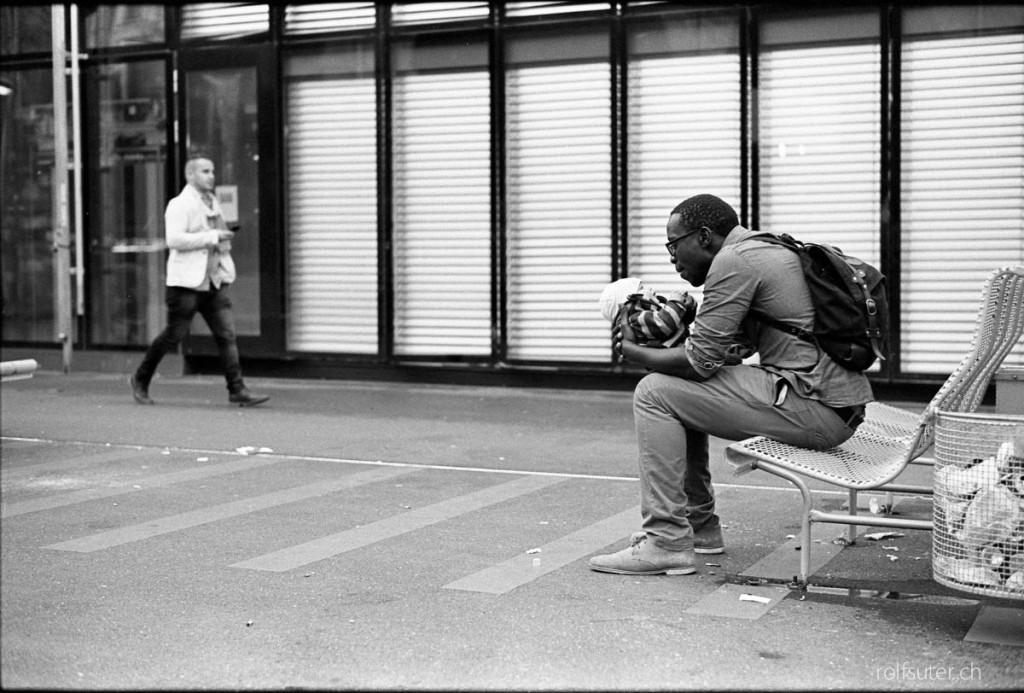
x,y
671,245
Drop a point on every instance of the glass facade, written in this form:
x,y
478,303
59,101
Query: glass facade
x,y
457,183
126,139
123,26
27,205
25,29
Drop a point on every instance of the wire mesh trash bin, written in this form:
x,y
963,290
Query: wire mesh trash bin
x,y
978,540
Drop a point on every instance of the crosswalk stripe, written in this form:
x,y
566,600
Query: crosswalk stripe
x,y
740,601
518,570
174,523
73,497
334,544
77,461
784,562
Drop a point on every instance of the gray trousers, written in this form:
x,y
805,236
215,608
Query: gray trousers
x,y
674,418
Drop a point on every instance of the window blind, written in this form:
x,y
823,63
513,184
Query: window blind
x,y
962,187
332,215
320,17
408,13
535,9
559,210
679,146
442,213
223,19
820,144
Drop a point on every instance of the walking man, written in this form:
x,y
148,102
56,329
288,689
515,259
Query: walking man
x,y
199,272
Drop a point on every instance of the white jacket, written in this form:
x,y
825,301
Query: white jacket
x,y
192,232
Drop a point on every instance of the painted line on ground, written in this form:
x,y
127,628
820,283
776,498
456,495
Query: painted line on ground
x,y
998,625
444,467
175,523
73,497
349,540
89,459
784,562
740,601
523,568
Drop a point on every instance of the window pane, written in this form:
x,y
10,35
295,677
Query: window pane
x,y
536,9
684,131
323,17
820,141
26,221
405,13
962,187
113,26
127,144
442,201
222,122
25,29
558,96
222,20
331,154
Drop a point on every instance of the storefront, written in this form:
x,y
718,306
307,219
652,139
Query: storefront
x,y
445,188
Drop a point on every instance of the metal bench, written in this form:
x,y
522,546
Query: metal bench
x,y
890,438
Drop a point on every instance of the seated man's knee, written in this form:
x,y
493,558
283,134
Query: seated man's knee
x,y
648,390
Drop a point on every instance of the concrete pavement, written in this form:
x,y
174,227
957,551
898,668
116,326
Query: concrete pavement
x,y
368,535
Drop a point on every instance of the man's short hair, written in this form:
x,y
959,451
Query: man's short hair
x,y
707,210
192,158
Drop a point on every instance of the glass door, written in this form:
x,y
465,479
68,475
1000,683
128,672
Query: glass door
x,y
26,206
229,116
126,136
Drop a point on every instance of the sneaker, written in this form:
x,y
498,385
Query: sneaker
x,y
642,557
709,540
139,391
244,398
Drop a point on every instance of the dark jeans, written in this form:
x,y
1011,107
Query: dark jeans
x,y
182,305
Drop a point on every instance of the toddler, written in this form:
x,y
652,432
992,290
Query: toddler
x,y
657,320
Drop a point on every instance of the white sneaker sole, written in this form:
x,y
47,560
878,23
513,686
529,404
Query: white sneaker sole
x,y
666,571
720,549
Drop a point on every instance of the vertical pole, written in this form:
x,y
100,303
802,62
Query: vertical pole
x,y
76,147
61,227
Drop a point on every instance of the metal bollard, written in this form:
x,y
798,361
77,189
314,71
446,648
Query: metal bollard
x,y
18,370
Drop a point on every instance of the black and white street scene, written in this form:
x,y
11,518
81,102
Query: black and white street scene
x,y
512,346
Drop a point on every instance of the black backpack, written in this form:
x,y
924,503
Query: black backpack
x,y
851,311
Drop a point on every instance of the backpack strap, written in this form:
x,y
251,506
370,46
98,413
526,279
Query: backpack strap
x,y
874,329
786,241
783,326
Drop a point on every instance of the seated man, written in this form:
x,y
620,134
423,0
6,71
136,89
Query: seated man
x,y
796,394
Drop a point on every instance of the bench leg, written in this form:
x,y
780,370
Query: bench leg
x,y
805,517
851,530
805,539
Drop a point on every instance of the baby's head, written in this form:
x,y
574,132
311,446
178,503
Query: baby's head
x,y
616,293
